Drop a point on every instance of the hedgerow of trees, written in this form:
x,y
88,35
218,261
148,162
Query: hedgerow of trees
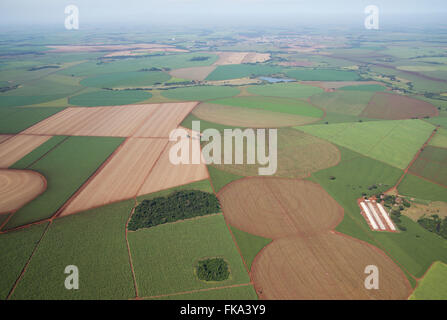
x,y
179,205
214,269
434,224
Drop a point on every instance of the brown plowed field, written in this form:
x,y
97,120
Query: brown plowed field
x,y
108,47
4,137
119,121
305,260
166,175
327,266
18,187
17,147
277,208
327,85
145,120
194,73
121,177
254,57
390,106
240,57
166,118
249,118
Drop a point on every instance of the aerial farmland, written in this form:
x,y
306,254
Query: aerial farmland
x,y
131,164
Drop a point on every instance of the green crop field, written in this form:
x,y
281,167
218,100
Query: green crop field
x,y
14,120
94,241
433,286
131,79
439,139
286,90
221,178
49,88
236,71
394,142
39,152
187,242
109,98
282,105
17,247
365,87
249,244
309,74
343,102
66,168
172,61
200,93
419,188
432,165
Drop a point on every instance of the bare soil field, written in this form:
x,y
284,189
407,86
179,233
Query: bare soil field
x,y
193,73
143,120
250,118
121,177
305,260
166,175
276,208
254,57
18,187
226,58
390,106
327,266
4,137
296,63
167,117
138,52
107,47
334,85
121,121
15,148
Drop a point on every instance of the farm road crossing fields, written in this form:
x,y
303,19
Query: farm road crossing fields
x,y
123,121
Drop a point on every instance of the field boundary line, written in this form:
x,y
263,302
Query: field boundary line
x,y
228,225
128,249
152,168
49,151
416,156
199,290
28,262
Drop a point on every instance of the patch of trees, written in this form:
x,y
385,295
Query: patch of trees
x,y
199,58
4,89
214,269
396,204
43,67
434,224
179,205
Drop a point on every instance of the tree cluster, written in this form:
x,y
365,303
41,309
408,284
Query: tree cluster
x,y
179,205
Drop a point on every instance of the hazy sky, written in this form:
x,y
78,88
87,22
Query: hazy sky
x,y
231,12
